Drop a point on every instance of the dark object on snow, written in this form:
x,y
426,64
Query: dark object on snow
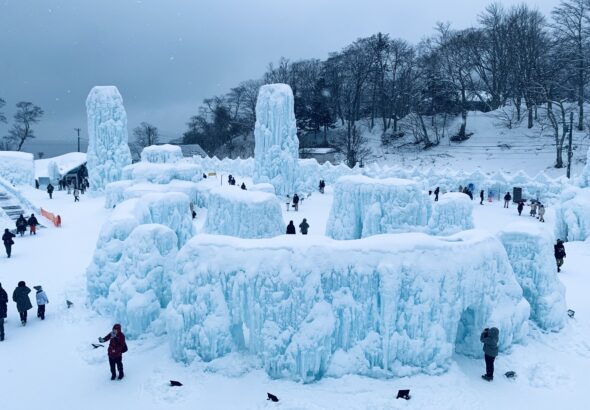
x,y
69,304
291,229
571,313
243,186
174,383
96,346
510,374
403,394
272,397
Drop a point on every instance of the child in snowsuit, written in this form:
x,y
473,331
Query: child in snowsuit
x,y
32,222
489,338
41,301
117,347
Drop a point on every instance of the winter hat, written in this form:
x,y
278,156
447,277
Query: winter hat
x,y
38,288
117,327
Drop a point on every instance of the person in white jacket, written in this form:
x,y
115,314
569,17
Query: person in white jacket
x,y
41,302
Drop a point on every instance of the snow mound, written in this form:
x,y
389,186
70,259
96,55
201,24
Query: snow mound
x,y
108,151
171,210
18,168
163,173
117,192
276,150
141,286
364,207
245,214
572,215
161,154
530,251
451,214
389,305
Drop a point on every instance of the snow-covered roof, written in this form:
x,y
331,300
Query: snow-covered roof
x,y
65,163
317,151
189,150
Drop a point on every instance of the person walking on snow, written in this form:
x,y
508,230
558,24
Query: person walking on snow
x,y
303,227
533,208
520,207
481,197
21,225
8,242
291,228
117,347
33,222
296,202
559,251
3,310
489,338
507,199
76,195
541,213
21,297
41,301
436,192
50,191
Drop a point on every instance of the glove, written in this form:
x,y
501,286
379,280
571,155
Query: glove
x,y
101,340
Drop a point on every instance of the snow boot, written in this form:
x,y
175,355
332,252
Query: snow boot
x,y
121,375
23,322
487,378
113,377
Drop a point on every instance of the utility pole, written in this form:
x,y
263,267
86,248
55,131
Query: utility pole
x,y
78,131
569,148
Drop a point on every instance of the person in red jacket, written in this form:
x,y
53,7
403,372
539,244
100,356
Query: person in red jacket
x,y
117,347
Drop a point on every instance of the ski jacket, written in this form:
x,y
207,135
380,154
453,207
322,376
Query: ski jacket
x,y
3,303
304,226
116,343
33,221
7,238
21,297
42,297
489,338
559,251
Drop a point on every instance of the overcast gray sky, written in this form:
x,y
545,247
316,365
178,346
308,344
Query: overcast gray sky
x,y
166,56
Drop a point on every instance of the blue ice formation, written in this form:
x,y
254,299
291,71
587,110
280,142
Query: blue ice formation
x,y
108,151
452,213
306,307
530,251
161,154
276,150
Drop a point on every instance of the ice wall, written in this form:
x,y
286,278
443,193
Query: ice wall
x,y
276,150
108,151
141,285
572,215
171,210
161,154
364,207
389,305
163,173
18,168
530,251
245,214
117,192
451,214
584,180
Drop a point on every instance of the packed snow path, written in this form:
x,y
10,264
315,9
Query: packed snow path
x,y
51,364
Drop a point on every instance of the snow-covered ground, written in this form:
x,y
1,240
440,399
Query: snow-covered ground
x,y
51,364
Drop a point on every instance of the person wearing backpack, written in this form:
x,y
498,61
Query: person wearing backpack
x,y
117,347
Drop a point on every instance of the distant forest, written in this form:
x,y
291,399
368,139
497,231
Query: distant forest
x,y
515,57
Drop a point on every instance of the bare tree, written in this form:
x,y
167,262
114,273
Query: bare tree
x,y
27,114
571,28
144,135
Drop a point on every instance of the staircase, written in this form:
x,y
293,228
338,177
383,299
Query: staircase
x,y
12,208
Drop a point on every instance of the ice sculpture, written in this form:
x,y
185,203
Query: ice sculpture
x,y
161,154
163,173
245,214
364,206
117,192
530,251
17,167
276,150
584,180
572,215
382,306
451,214
108,151
171,210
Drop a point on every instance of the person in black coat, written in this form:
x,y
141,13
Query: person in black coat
x,y
507,199
481,197
296,202
8,242
520,207
50,189
3,310
291,228
243,186
559,253
490,337
33,222
21,297
436,192
21,225
303,227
